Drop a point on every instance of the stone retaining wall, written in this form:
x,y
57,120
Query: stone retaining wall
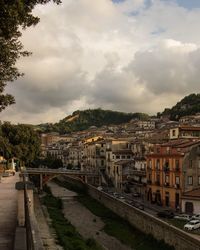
x,y
145,222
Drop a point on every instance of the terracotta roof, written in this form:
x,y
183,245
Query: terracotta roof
x,y
195,193
189,128
123,162
123,151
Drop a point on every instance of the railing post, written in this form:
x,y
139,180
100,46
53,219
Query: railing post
x,y
41,182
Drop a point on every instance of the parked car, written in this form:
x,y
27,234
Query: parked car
x,y
100,188
166,214
196,217
116,195
136,194
185,217
121,198
136,204
192,225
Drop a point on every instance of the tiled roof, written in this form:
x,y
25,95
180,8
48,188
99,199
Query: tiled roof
x,y
123,162
195,193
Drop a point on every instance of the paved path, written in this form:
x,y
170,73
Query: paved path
x,y
8,211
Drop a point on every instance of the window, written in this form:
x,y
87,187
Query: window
x,y
190,180
117,157
177,164
158,150
166,178
177,179
150,164
190,163
117,171
128,157
166,166
123,157
158,164
173,132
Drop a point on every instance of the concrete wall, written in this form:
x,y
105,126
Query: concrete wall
x,y
145,222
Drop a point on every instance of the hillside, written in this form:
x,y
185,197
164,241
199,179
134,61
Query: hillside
x,y
81,120
189,105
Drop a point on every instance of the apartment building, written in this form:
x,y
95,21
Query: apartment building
x,y
166,172
184,132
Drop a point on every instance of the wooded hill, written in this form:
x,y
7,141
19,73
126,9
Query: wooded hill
x,y
189,105
81,120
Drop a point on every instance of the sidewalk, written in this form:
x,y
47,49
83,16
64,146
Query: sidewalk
x,y
8,211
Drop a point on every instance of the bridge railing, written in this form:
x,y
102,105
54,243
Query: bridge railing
x,y
64,171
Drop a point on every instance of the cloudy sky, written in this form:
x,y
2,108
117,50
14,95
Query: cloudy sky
x,y
126,55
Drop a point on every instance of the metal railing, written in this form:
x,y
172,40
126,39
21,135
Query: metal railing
x,y
29,234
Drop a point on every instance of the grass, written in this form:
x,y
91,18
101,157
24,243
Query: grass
x,y
118,227
67,235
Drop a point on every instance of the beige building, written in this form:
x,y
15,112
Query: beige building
x,y
184,132
94,156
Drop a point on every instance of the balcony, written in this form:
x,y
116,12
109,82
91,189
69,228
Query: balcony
x,y
157,183
177,169
138,172
177,186
149,182
166,169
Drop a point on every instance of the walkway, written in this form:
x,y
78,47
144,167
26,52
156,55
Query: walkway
x,y
8,211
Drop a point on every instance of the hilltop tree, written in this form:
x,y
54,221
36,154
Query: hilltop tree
x,y
14,15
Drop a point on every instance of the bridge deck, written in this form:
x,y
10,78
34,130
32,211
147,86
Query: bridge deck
x,y
58,171
8,211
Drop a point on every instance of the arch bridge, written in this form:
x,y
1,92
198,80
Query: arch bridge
x,y
47,174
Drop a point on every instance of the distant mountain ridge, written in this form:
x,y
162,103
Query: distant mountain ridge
x,y
81,120
189,105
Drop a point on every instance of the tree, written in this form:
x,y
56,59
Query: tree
x,y
14,14
20,141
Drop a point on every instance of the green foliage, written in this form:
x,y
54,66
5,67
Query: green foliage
x,y
14,15
79,187
48,162
189,105
81,120
67,235
19,141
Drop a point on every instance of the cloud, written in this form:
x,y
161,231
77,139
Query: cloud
x,y
128,56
